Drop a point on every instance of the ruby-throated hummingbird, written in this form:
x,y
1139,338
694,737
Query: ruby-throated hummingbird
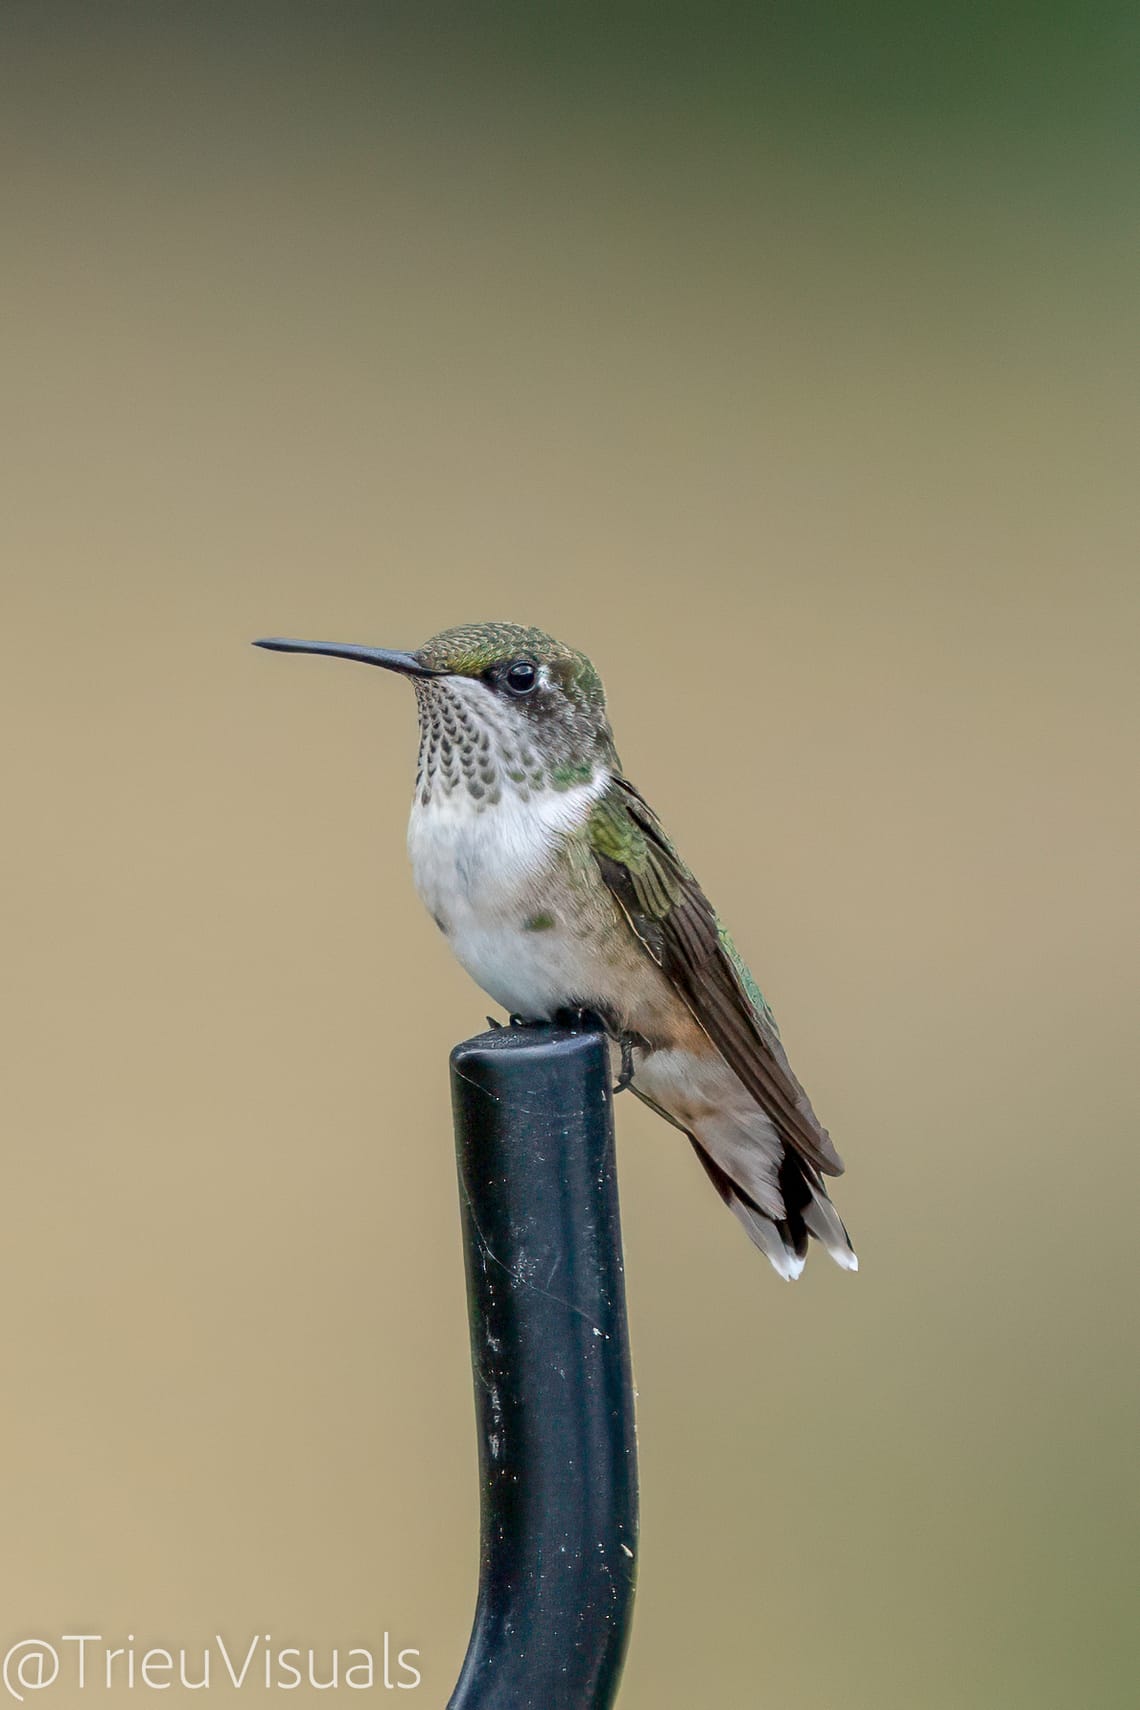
x,y
557,888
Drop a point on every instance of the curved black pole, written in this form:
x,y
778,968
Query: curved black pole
x,y
550,1354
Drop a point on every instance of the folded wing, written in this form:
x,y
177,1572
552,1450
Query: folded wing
x,y
679,928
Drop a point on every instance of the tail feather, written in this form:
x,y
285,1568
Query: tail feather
x,y
807,1210
824,1222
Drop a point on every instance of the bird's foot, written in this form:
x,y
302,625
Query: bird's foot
x,y
574,1015
562,1018
627,1041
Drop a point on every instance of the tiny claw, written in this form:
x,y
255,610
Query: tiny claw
x,y
497,1026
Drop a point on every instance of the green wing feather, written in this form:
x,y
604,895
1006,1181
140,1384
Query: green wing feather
x,y
679,928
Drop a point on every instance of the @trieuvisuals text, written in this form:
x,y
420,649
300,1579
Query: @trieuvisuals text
x,y
71,1662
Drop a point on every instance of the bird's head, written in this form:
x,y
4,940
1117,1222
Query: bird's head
x,y
500,706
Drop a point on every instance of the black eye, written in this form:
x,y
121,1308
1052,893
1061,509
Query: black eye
x,y
520,677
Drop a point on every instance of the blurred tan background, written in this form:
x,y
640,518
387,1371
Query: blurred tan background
x,y
792,374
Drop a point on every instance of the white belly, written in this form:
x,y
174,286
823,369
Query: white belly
x,y
485,875
532,974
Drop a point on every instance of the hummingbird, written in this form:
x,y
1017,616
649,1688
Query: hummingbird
x,y
557,888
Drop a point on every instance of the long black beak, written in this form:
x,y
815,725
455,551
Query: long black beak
x,y
406,663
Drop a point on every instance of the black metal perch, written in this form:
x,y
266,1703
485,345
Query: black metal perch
x,y
550,1355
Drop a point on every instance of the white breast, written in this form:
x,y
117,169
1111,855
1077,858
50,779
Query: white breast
x,y
484,874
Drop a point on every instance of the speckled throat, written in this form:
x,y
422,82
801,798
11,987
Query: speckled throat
x,y
470,741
